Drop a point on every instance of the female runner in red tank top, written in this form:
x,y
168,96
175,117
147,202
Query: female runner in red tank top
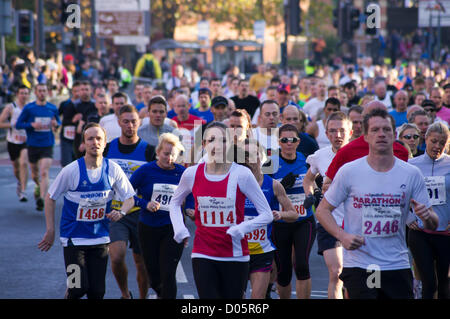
x,y
220,255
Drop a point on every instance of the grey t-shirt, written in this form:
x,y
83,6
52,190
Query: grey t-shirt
x,y
151,134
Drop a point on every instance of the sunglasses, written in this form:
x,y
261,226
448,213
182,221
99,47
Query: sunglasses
x,y
284,140
408,137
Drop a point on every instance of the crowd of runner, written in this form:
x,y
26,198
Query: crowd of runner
x,y
353,157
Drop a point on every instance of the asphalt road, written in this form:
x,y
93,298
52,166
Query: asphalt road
x,y
28,273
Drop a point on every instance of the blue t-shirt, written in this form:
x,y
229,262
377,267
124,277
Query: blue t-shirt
x,y
207,115
151,181
38,113
399,117
171,114
140,106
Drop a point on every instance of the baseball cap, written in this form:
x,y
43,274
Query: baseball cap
x,y
283,88
219,100
426,103
68,57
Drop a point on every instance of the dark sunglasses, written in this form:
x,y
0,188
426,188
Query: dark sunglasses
x,y
284,140
408,137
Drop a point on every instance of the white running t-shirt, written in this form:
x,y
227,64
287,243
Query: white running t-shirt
x,y
376,206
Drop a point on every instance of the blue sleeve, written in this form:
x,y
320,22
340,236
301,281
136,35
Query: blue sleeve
x,y
136,177
141,202
136,181
190,202
22,121
58,119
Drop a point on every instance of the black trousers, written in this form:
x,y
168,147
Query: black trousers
x,y
220,279
86,271
161,255
431,253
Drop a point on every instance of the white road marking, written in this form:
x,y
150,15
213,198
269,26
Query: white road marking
x,y
180,275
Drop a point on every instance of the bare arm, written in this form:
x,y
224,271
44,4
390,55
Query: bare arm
x,y
326,184
323,214
288,213
309,183
6,113
427,215
49,236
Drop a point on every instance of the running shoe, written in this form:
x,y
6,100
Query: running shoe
x,y
23,197
131,296
18,189
37,192
40,204
417,289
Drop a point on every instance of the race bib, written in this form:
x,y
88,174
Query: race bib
x,y
381,221
45,122
216,211
91,211
162,193
69,132
259,235
297,200
436,189
18,137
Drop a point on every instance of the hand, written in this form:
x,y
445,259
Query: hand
x,y
37,125
420,210
352,242
80,126
289,180
186,242
318,197
77,117
235,232
276,215
153,206
54,123
309,201
114,215
190,213
81,148
47,241
414,226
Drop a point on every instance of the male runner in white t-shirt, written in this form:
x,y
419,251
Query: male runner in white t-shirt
x,y
338,130
377,191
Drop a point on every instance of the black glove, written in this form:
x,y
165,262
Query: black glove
x,y
309,201
317,196
289,180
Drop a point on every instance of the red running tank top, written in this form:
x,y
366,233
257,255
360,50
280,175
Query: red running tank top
x,y
218,206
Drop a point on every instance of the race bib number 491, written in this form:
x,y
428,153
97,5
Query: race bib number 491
x,y
162,193
216,211
436,189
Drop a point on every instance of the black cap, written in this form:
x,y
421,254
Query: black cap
x,y
428,103
219,100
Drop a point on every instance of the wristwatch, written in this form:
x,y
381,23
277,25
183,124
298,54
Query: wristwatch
x,y
122,213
